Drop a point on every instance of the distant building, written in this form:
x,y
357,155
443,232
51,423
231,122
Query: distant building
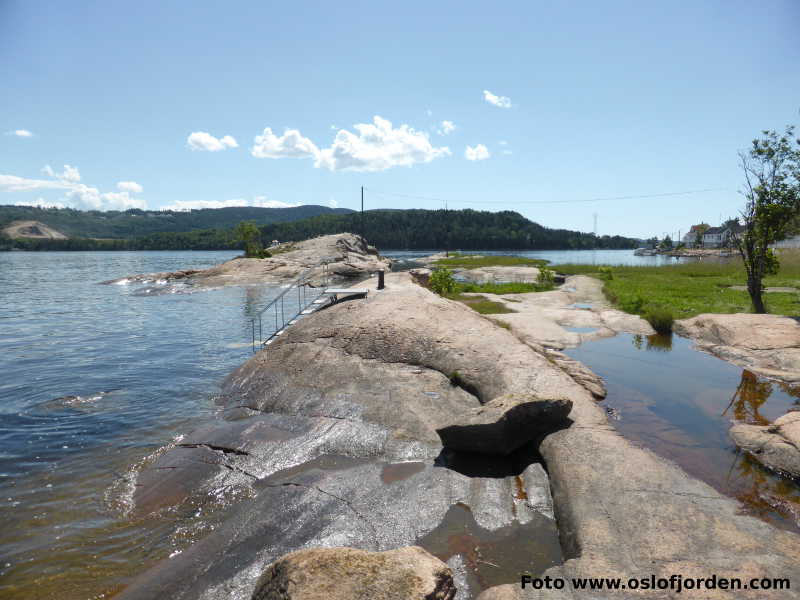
x,y
721,237
690,239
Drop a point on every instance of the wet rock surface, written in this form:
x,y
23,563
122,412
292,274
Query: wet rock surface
x,y
504,424
349,257
373,377
777,446
408,573
765,344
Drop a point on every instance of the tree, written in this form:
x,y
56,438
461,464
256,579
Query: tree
x,y
771,170
700,230
249,233
666,243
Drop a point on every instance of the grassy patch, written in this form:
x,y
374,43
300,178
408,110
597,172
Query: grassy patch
x,y
474,261
686,290
481,304
501,288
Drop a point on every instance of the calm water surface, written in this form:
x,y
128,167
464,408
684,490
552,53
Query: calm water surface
x,y
559,257
681,403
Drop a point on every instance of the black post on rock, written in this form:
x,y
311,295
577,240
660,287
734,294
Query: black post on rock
x,y
362,214
380,280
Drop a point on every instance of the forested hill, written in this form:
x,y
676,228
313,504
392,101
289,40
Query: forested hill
x,y
440,229
136,223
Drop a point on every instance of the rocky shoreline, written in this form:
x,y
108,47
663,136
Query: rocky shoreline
x,y
333,435
347,256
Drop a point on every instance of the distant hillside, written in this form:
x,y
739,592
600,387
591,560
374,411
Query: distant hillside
x,y
31,229
440,229
387,229
136,223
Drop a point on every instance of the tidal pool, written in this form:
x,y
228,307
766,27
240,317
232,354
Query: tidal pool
x,y
680,403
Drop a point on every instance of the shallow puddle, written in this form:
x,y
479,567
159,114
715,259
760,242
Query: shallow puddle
x,y
581,329
681,403
494,557
581,305
399,471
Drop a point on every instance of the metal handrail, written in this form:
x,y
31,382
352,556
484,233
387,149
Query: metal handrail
x,y
301,283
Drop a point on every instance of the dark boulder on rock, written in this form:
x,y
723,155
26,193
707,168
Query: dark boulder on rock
x,y
408,573
504,424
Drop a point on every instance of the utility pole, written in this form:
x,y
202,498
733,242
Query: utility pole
x,y
447,229
362,214
595,230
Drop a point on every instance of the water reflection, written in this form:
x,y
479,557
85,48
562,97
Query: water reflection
x,y
748,398
680,403
657,342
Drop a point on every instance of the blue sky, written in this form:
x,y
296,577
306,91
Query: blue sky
x,y
113,104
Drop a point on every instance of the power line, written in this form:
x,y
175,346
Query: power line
x,y
640,197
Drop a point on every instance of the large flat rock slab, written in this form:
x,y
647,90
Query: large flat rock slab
x,y
766,344
358,506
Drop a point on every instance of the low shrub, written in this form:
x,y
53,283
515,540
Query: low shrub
x,y
660,318
606,273
441,282
546,277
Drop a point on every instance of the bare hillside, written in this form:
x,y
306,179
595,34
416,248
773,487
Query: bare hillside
x,y
32,229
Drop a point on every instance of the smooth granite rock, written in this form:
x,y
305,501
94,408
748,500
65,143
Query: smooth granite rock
x,y
765,344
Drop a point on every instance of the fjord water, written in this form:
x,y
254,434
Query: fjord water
x,y
94,378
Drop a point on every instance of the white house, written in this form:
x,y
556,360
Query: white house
x,y
690,238
717,237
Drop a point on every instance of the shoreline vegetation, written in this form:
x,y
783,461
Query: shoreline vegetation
x,y
660,294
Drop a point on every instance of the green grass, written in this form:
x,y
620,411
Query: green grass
x,y
481,304
474,261
689,289
501,288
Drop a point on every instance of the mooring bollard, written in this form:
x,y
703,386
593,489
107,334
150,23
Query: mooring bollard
x,y
380,280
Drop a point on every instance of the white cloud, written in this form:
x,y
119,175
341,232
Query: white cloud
x,y
479,152
77,195
507,152
332,202
68,175
446,128
290,145
12,183
201,140
377,147
23,133
259,201
501,101
129,186
503,143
